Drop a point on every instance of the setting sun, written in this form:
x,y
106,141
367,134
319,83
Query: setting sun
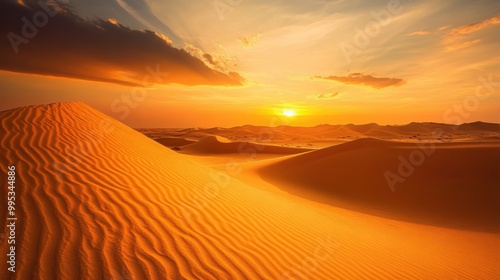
x,y
289,112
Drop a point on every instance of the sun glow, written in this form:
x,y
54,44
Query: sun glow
x,y
289,112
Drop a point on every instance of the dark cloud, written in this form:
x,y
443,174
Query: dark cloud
x,y
210,59
48,38
365,80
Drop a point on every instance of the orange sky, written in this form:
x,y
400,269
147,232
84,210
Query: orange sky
x,y
390,62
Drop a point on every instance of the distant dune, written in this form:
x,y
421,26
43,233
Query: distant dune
x,y
174,141
455,184
319,136
479,126
96,199
221,145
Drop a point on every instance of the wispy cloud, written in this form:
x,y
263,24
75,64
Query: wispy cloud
x,y
365,80
462,45
325,96
456,33
99,50
419,33
444,27
457,37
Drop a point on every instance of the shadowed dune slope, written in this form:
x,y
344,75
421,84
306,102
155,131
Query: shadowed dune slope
x,y
454,184
174,141
221,145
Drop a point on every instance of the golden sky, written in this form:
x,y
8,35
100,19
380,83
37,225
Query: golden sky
x,y
192,63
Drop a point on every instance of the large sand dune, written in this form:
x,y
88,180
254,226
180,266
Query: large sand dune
x,y
98,200
446,184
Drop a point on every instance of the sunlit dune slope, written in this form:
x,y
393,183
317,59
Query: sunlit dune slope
x,y
221,145
98,200
452,184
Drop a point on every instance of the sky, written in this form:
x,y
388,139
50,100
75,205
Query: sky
x,y
194,63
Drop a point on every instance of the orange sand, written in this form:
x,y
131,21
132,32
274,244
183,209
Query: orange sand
x,y
99,200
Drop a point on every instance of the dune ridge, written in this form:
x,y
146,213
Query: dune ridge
x,y
98,200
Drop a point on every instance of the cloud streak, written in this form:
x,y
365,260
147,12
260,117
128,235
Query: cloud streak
x,y
325,96
419,33
457,37
99,50
365,80
457,33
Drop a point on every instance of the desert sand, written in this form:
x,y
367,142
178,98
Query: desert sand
x,y
99,200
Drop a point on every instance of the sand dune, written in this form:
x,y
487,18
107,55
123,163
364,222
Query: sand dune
x,y
221,145
480,126
174,141
98,200
454,184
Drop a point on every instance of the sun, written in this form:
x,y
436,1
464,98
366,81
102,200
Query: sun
x,y
289,112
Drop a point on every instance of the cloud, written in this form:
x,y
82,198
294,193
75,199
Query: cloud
x,y
325,96
62,44
457,37
365,80
140,12
419,33
467,29
462,45
215,61
250,40
211,59
444,27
